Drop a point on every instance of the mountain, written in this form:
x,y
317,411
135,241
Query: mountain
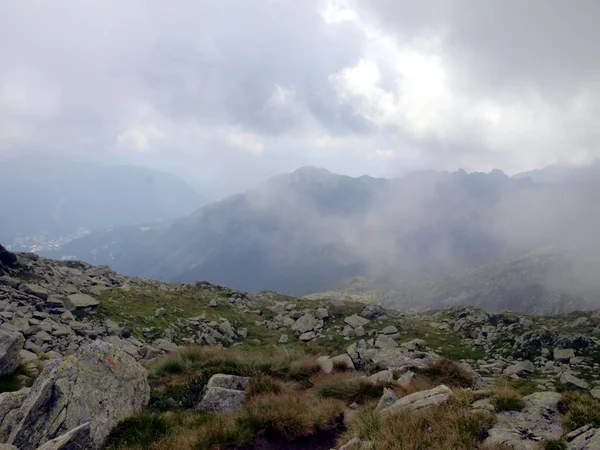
x,y
306,231
56,196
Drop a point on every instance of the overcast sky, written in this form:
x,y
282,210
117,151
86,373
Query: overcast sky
x,y
229,92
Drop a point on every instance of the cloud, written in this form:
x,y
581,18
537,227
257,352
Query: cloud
x,y
441,84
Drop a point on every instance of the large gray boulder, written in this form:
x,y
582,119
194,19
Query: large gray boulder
x,y
222,400
540,419
224,393
572,382
11,344
99,384
304,324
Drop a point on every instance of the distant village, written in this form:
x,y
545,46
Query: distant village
x,y
43,242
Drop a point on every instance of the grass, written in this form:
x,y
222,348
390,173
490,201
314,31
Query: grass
x,y
450,373
139,431
291,416
264,384
554,444
445,427
579,409
507,398
286,416
348,390
11,382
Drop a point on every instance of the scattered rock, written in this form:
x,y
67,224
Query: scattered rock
x,y
563,354
304,324
160,312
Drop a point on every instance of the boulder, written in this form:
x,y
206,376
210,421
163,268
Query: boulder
x,y
11,344
520,368
99,384
221,380
81,301
222,400
322,313
384,341
563,354
572,382
356,321
372,311
540,419
35,290
419,400
389,330
307,337
304,324
327,364
388,398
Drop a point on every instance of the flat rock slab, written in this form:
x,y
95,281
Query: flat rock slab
x,y
586,441
419,400
539,420
81,301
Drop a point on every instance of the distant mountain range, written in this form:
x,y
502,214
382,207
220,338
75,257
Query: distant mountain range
x,y
44,194
420,241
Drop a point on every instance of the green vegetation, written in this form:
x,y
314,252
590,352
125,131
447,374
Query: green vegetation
x,y
554,444
507,398
450,426
580,409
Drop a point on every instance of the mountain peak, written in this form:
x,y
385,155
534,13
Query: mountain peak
x,y
312,171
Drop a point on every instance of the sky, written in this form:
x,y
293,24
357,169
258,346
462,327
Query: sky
x,y
228,93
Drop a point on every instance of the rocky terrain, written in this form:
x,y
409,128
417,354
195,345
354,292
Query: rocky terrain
x,y
90,358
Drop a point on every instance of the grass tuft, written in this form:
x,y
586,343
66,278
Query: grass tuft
x,y
506,398
450,373
141,431
580,409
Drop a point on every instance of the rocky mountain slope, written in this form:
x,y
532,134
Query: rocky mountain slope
x,y
422,239
57,196
71,333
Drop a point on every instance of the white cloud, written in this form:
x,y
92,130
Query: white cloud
x,y
140,138
246,141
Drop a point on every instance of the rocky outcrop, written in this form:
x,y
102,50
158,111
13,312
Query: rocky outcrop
x,y
11,344
540,419
100,385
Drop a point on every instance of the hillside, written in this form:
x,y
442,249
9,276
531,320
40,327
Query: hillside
x,y
54,196
263,370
